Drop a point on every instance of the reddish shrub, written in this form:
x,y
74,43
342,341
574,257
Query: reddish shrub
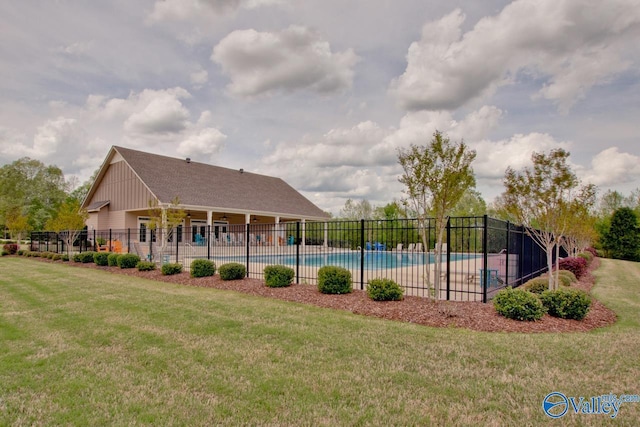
x,y
592,251
577,266
11,248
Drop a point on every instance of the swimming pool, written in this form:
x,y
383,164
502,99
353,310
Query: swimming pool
x,y
373,260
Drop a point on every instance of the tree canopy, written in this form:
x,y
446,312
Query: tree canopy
x,y
32,190
436,176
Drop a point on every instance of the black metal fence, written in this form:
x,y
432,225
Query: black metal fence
x,y
480,256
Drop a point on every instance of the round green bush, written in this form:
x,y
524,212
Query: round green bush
x,y
278,276
384,290
86,257
537,285
5,253
171,269
232,271
112,260
518,304
65,258
100,258
566,303
334,280
146,266
202,268
56,257
128,260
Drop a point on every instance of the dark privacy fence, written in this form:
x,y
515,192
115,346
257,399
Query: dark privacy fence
x,y
480,256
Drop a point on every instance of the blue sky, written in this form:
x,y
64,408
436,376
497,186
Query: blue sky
x,y
324,93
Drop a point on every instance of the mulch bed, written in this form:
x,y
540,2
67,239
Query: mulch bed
x,y
471,315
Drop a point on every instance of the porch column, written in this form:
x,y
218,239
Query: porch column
x,y
247,218
304,232
209,218
276,243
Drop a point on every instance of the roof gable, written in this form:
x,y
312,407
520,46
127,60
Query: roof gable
x,y
200,184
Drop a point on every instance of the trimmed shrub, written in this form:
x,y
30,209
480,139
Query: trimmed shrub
x,y
128,260
85,257
56,257
11,248
518,304
334,280
567,303
566,273
384,290
100,258
21,252
537,285
171,269
278,276
202,268
76,258
232,271
5,253
112,260
586,255
65,258
592,251
146,266
577,266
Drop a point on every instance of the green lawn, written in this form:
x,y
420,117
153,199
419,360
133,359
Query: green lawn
x,y
85,347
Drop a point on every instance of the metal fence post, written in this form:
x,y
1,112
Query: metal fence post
x,y
247,246
297,251
485,255
177,244
128,240
208,238
362,253
508,248
448,258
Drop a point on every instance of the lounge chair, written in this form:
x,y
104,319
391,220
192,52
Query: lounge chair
x,y
412,247
399,247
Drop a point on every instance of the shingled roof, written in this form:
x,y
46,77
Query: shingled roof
x,y
222,189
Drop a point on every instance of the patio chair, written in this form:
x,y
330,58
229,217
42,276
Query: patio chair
x,y
199,240
411,247
418,247
399,247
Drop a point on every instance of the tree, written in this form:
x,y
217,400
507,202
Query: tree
x,y
622,241
68,222
355,211
581,231
471,204
165,218
32,187
541,199
436,177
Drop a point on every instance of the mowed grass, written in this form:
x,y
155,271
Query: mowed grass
x,y
85,347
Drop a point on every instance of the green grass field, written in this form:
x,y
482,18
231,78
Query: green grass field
x,y
85,347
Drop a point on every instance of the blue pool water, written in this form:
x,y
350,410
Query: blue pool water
x,y
351,260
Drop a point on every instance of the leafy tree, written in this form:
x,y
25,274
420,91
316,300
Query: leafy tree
x,y
436,177
68,222
165,218
581,232
32,187
355,211
622,241
16,223
471,204
541,198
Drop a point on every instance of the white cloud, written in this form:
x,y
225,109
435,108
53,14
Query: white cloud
x,y
573,44
611,167
203,144
199,77
288,60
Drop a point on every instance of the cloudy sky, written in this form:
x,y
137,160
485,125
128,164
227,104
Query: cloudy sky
x,y
322,93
